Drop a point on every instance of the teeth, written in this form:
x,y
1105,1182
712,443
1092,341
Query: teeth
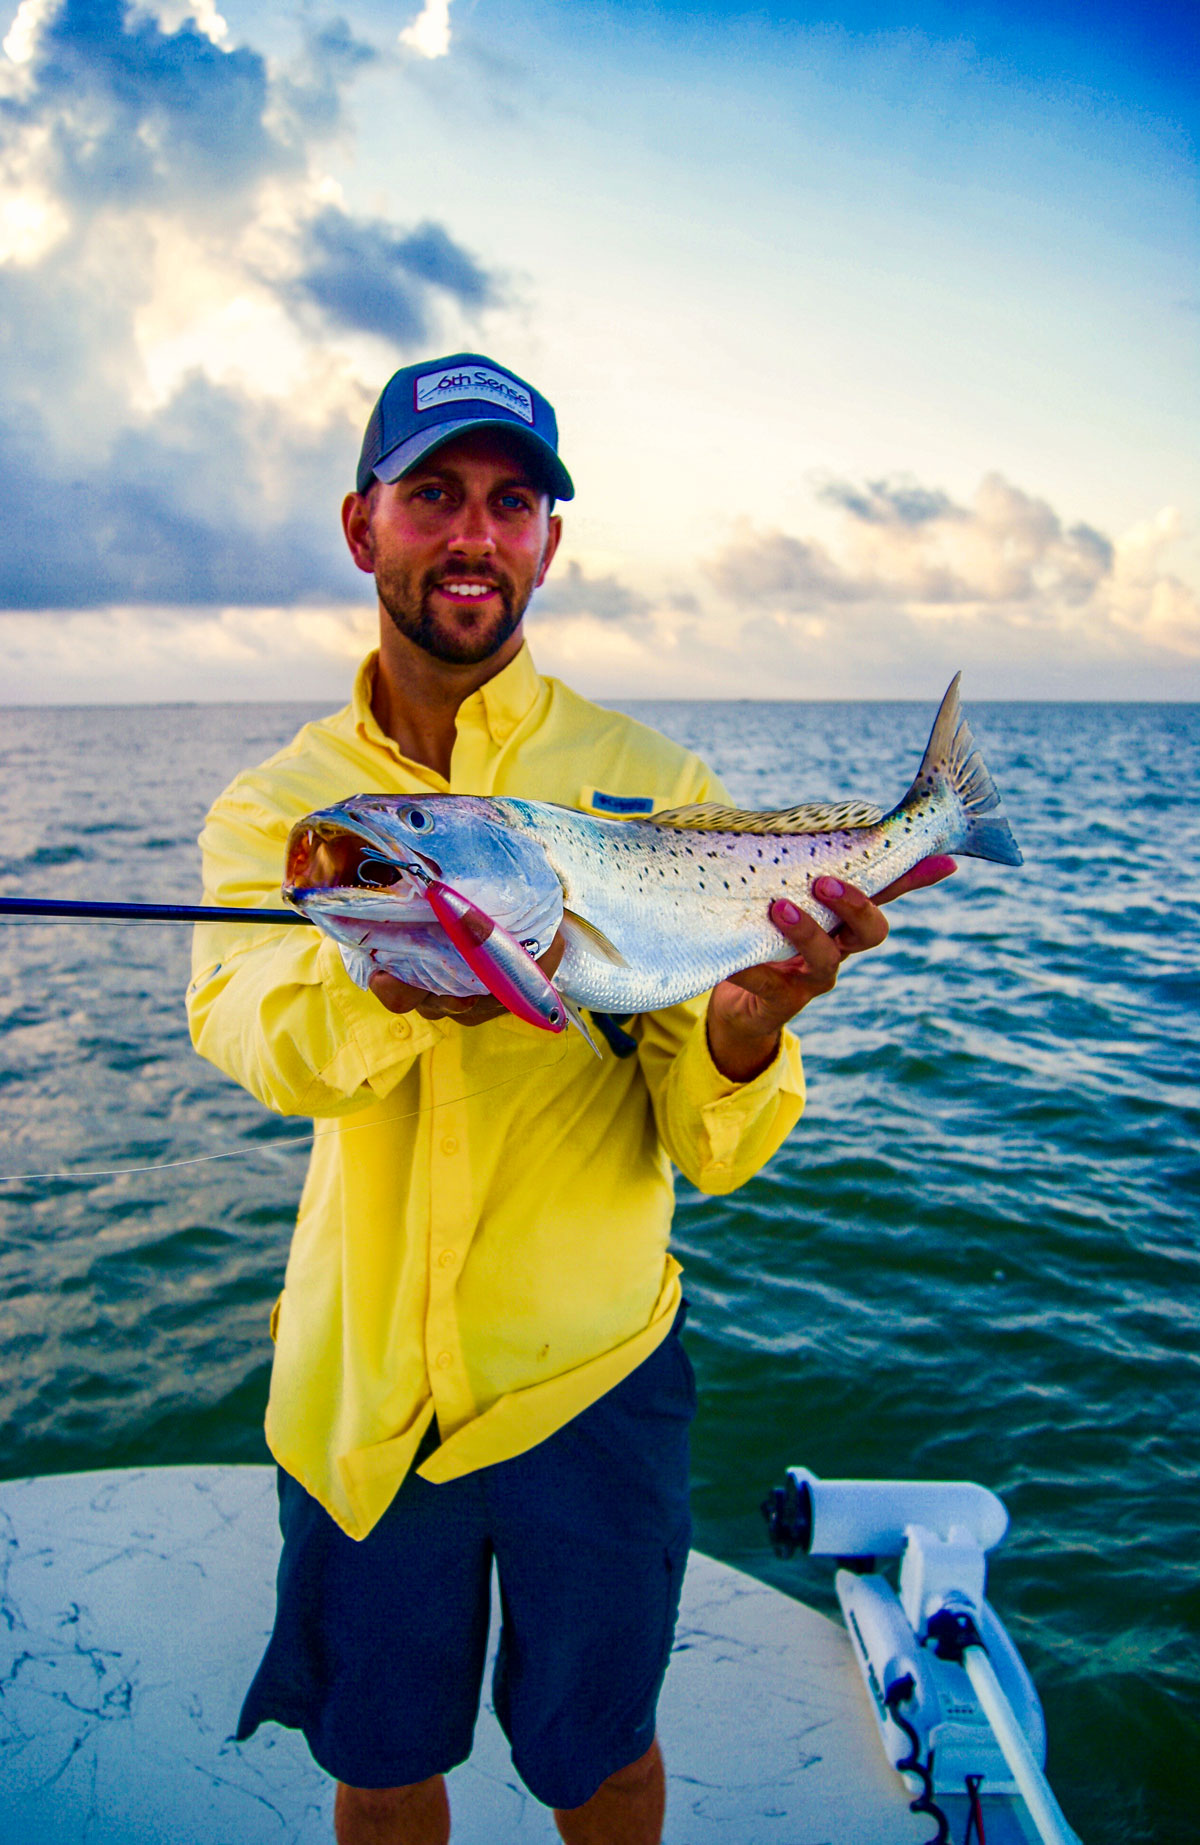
x,y
466,589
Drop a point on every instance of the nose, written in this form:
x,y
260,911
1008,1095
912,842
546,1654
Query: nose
x,y
473,532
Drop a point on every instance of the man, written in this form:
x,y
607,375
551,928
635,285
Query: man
x,y
477,1353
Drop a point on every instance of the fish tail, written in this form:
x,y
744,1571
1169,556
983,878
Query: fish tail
x,y
951,758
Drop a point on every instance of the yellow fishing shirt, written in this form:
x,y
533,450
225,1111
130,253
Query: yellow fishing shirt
x,y
483,1232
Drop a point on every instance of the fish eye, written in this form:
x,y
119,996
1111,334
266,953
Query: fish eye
x,y
418,819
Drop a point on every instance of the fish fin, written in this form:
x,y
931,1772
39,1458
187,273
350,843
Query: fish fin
x,y
808,817
951,755
590,940
576,1018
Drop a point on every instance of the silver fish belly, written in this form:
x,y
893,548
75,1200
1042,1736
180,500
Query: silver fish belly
x,y
654,911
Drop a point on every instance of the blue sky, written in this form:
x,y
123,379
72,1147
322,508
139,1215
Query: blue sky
x,y
872,333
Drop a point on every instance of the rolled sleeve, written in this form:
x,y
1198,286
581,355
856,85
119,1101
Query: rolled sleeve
x,y
718,1132
284,1019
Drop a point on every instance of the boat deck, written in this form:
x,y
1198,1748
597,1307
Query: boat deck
x,y
134,1606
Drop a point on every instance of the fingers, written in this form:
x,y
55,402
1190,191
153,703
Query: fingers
x,y
398,996
395,994
861,924
929,871
553,955
817,954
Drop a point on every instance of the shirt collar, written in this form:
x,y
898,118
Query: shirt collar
x,y
510,696
505,700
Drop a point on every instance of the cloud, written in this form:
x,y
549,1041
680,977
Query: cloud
x,y
183,297
307,96
129,113
889,502
364,276
429,33
167,520
784,572
912,572
573,593
125,655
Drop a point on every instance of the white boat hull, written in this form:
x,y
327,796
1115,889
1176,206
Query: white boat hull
x,y
134,1606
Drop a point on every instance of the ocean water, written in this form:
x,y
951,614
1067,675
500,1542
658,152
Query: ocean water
x,y
976,1258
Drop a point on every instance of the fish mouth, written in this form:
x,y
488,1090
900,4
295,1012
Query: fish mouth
x,y
325,856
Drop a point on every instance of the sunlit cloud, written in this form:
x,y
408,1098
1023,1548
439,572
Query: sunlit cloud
x,y
128,653
1007,557
429,33
21,41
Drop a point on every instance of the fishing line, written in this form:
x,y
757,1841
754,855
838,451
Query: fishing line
x,y
280,1140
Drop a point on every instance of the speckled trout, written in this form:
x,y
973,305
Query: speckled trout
x,y
653,911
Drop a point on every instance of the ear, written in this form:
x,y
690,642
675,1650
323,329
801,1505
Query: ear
x,y
356,524
553,539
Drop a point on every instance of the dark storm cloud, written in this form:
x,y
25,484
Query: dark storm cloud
x,y
365,276
138,134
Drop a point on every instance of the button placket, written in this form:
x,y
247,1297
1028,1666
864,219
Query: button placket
x,y
449,1204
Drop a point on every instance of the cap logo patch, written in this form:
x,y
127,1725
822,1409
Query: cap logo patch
x,y
471,381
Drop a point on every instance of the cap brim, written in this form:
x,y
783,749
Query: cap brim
x,y
399,461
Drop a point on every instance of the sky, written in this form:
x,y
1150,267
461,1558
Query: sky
x,y
871,330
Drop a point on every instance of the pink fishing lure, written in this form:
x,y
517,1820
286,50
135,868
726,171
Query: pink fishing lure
x,y
497,958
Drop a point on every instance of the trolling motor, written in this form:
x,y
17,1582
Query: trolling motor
x,y
956,1708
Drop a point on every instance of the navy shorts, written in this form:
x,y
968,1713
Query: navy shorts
x,y
379,1646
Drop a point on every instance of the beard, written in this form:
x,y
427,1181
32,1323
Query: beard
x,y
410,609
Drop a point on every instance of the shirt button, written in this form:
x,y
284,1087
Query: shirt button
x,y
449,1145
399,1028
447,1259
444,1361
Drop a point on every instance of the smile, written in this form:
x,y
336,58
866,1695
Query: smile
x,y
467,590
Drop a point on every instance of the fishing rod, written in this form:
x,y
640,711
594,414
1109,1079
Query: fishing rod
x,y
69,910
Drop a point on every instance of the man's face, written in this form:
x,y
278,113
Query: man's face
x,y
457,546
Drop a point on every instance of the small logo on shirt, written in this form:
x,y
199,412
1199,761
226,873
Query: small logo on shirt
x,y
471,381
620,804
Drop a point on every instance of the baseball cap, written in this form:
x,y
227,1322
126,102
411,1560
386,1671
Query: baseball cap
x,y
426,405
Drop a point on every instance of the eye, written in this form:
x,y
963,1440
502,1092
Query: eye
x,y
418,819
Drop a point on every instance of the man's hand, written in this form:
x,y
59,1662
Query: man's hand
x,y
748,1011
398,996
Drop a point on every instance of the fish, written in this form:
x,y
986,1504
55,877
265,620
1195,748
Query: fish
x,y
653,911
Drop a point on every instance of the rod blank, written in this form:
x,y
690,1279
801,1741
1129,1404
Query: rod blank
x,y
64,910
